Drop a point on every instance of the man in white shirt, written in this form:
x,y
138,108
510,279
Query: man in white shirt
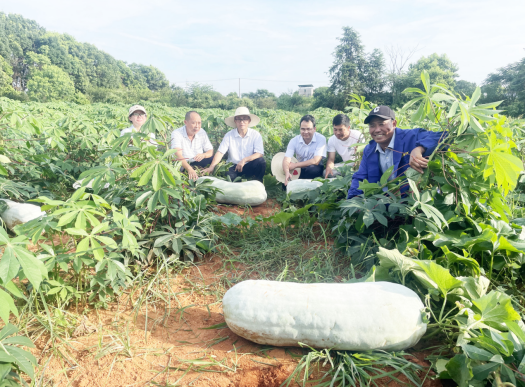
x,y
137,116
193,146
309,149
341,142
244,146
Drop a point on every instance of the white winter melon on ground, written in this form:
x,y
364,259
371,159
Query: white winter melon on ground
x,y
358,317
18,213
250,193
302,185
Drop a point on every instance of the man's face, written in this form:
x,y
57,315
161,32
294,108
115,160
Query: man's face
x,y
382,130
138,118
342,132
193,124
307,131
242,122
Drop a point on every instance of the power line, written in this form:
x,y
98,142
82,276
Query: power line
x,y
248,79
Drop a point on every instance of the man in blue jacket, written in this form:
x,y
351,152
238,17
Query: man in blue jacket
x,y
390,145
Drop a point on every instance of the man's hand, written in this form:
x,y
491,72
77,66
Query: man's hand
x,y
239,166
192,174
417,161
208,170
292,166
199,157
328,172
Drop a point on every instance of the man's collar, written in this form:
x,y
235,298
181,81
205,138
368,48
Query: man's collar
x,y
184,131
390,145
238,135
301,139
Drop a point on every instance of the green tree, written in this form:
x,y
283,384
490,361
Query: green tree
x,y
50,84
507,84
465,88
355,72
154,78
6,77
439,67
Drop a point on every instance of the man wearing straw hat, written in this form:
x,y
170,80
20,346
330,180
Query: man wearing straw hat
x,y
309,148
244,146
193,146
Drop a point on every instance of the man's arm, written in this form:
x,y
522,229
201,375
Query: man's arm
x,y
426,143
330,164
204,155
247,159
216,160
191,172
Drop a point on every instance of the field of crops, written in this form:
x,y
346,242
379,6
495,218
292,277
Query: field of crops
x,y
121,283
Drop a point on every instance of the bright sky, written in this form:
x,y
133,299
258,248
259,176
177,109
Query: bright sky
x,y
280,44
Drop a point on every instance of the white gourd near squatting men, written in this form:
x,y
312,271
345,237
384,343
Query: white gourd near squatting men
x,y
19,213
358,316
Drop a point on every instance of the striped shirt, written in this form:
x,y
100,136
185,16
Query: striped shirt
x,y
240,147
386,157
303,151
190,148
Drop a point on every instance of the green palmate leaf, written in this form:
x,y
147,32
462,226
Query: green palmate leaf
x,y
7,305
460,370
495,307
441,276
477,353
393,259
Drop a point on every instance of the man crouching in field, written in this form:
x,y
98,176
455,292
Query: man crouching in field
x,y
193,146
244,146
310,149
391,146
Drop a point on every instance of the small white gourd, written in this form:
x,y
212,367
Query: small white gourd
x,y
347,316
250,193
302,185
19,213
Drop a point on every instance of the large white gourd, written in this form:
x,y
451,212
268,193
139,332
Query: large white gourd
x,y
250,193
19,213
359,316
302,185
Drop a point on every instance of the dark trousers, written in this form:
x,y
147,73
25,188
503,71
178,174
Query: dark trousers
x,y
203,163
255,168
311,172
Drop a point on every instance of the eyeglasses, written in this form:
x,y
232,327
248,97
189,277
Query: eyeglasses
x,y
138,115
242,119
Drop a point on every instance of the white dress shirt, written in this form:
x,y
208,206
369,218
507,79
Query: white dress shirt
x,y
200,144
303,151
240,147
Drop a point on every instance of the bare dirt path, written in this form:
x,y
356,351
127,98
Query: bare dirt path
x,y
157,335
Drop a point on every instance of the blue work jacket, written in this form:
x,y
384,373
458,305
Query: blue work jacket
x,y
406,140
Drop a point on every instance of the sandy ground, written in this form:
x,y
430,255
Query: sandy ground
x,y
163,341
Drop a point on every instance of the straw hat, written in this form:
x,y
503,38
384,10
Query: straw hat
x,y
277,168
242,111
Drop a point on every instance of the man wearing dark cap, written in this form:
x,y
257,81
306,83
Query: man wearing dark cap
x,y
391,146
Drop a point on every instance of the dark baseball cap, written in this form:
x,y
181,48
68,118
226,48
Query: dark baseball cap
x,y
381,111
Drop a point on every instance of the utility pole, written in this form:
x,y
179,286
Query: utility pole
x,y
239,88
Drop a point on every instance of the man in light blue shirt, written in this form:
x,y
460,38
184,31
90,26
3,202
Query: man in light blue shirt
x,y
309,149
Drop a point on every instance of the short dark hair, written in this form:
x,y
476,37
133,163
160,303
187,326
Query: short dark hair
x,y
188,115
341,119
308,118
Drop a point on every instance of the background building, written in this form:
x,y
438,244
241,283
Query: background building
x,y
306,90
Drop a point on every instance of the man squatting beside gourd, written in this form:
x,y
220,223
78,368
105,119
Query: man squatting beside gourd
x,y
309,148
341,142
193,146
244,146
137,116
391,146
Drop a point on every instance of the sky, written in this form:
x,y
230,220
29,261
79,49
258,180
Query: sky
x,y
277,45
